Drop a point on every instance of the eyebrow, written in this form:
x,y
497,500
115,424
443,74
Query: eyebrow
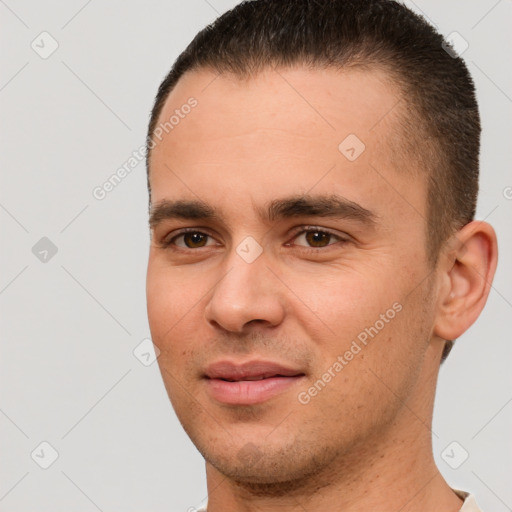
x,y
181,209
329,206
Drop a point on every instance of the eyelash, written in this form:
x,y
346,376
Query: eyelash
x,y
168,243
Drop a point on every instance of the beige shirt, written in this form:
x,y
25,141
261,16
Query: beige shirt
x,y
469,501
468,506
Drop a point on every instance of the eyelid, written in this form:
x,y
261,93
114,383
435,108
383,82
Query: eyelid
x,y
169,239
307,229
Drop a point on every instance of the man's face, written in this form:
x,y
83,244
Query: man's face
x,y
299,287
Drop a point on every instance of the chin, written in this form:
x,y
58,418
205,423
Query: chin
x,y
267,467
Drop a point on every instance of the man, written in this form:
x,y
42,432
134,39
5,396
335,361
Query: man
x,y
313,173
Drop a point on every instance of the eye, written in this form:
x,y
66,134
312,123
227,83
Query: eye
x,y
189,240
317,238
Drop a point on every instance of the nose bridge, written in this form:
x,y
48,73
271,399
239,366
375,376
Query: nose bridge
x,y
248,290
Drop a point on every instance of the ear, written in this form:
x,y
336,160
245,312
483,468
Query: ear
x,y
466,270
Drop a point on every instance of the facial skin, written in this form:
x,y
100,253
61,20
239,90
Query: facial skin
x,y
364,439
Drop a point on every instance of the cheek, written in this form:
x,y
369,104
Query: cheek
x,y
170,308
170,299
362,318
345,299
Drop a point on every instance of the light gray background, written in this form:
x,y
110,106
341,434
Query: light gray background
x,y
69,325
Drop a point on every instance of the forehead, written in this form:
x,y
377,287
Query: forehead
x,y
283,130
308,102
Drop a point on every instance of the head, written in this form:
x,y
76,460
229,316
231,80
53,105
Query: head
x,y
349,117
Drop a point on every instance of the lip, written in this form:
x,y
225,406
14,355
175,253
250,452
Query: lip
x,y
249,383
256,368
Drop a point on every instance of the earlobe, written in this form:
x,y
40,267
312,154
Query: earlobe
x,y
467,270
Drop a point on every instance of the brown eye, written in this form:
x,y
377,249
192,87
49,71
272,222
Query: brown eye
x,y
190,240
193,240
318,238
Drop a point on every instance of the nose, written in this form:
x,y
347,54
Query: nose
x,y
248,294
